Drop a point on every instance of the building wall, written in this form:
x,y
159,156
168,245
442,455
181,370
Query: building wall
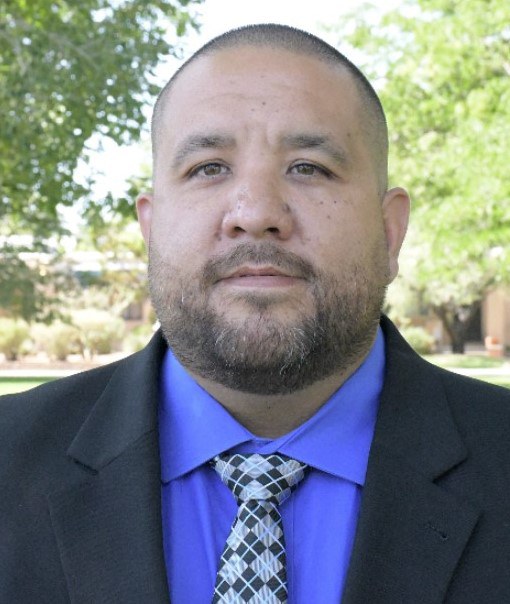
x,y
496,316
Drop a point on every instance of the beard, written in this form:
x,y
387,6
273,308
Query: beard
x,y
260,353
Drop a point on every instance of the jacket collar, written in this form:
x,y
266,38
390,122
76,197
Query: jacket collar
x,y
411,531
125,411
108,526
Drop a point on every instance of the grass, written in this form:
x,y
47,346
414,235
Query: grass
x,y
10,385
498,380
465,361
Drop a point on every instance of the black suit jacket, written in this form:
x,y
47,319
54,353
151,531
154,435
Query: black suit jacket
x,y
80,492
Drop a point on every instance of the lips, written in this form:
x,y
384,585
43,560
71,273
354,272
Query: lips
x,y
260,277
256,262
257,272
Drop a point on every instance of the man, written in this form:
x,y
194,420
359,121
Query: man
x,y
272,236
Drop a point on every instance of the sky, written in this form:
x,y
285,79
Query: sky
x,y
113,164
221,15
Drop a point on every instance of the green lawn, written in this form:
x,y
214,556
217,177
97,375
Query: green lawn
x,y
499,380
10,385
465,361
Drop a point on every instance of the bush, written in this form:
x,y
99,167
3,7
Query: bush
x,y
62,340
419,339
14,334
138,337
100,331
39,336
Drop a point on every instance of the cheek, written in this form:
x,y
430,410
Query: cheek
x,y
183,235
330,223
341,232
173,215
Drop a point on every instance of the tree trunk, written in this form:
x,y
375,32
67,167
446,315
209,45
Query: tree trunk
x,y
456,321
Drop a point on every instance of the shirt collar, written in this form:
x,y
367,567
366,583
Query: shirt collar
x,y
194,427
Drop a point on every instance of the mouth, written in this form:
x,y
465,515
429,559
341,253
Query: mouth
x,y
257,271
260,276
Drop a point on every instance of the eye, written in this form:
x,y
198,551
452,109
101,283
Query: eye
x,y
308,169
209,170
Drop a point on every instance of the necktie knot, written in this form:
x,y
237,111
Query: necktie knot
x,y
252,567
257,477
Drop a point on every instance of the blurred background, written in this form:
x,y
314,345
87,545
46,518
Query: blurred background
x,y
77,84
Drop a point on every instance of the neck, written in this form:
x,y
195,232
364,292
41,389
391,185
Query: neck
x,y
274,415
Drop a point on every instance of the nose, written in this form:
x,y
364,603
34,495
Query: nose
x,y
259,209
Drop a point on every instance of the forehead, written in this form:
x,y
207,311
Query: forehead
x,y
287,83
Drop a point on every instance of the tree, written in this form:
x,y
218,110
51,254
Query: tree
x,y
122,278
69,70
443,67
32,282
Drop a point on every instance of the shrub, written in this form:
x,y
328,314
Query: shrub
x,y
138,337
419,339
62,340
14,334
39,336
100,331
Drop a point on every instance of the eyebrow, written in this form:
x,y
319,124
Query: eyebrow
x,y
316,141
197,142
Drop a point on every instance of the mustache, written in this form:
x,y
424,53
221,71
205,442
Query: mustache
x,y
258,254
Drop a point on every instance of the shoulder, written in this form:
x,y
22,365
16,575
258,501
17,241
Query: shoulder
x,y
480,410
78,391
477,407
58,397
37,426
44,421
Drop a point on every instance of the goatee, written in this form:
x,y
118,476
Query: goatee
x,y
262,354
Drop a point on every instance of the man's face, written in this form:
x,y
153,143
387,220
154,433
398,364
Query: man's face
x,y
269,245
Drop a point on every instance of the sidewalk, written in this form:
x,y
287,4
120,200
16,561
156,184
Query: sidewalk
x,y
50,371
36,373
35,367
502,371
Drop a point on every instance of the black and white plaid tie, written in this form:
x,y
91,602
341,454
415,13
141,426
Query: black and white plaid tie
x,y
253,567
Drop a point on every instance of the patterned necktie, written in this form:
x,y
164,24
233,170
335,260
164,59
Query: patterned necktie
x,y
253,567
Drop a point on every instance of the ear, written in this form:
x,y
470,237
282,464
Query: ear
x,y
144,204
395,209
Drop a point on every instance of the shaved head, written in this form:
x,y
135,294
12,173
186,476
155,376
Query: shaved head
x,y
283,37
271,233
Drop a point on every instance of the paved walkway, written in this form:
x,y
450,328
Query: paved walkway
x,y
34,369
48,371
502,371
37,373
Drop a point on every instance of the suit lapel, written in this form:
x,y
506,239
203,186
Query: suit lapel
x,y
412,531
108,526
410,537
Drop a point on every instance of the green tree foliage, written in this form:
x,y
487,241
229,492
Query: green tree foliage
x,y
32,282
122,279
68,70
444,72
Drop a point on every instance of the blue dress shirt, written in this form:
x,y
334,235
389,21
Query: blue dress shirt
x,y
320,517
